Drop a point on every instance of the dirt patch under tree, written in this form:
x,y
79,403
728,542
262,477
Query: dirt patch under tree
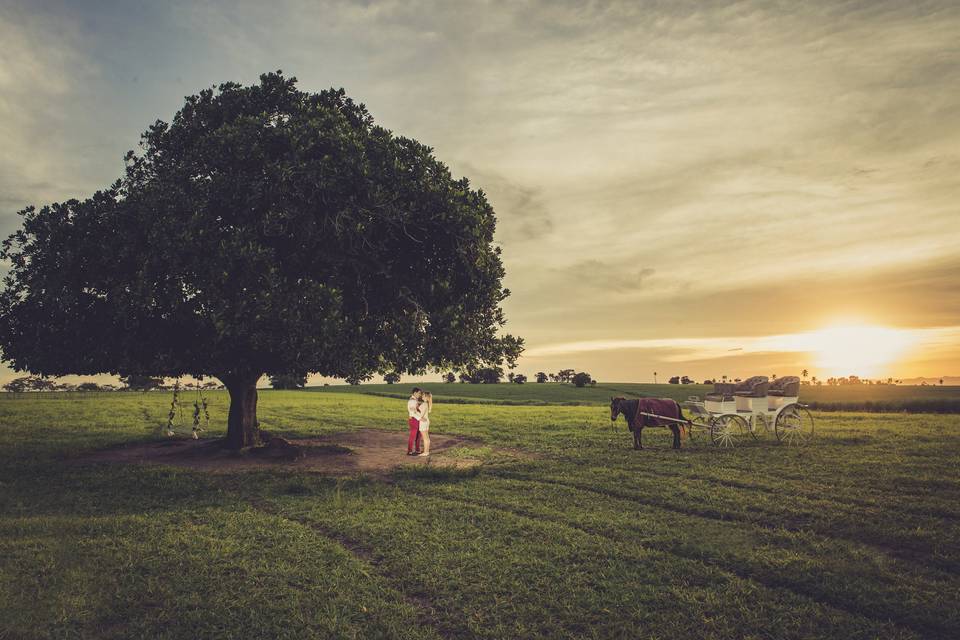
x,y
346,453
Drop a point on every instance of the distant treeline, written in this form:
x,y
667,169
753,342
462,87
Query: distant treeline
x,y
922,405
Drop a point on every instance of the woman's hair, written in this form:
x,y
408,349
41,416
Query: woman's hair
x,y
428,398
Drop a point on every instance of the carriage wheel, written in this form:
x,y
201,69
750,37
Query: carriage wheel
x,y
794,425
726,431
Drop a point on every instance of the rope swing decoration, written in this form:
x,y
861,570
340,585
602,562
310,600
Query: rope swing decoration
x,y
201,413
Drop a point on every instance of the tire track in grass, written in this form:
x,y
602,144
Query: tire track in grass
x,y
761,485
943,582
851,609
904,506
363,554
890,549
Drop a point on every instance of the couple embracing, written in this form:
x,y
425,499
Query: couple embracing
x,y
418,408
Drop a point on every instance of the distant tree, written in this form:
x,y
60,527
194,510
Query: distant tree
x,y
724,378
210,384
804,374
736,380
708,381
565,375
392,378
674,380
541,377
553,377
482,375
288,380
814,380
510,376
581,379
88,386
30,383
450,378
519,378
136,382
941,382
686,380
17,385
654,377
263,230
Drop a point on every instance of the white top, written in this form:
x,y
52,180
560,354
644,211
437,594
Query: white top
x,y
412,407
424,416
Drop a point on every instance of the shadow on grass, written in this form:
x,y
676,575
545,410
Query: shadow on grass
x,y
431,473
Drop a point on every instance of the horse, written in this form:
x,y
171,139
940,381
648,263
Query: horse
x,y
632,411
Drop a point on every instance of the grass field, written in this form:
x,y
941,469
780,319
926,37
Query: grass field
x,y
856,536
882,398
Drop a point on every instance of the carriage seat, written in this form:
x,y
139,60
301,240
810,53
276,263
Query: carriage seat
x,y
788,387
722,392
755,387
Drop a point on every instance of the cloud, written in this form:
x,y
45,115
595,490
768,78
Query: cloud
x,y
522,214
658,169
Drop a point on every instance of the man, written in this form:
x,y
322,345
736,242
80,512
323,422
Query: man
x,y
414,442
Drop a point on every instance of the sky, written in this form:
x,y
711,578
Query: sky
x,y
691,188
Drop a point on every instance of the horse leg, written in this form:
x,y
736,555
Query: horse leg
x,y
676,436
638,439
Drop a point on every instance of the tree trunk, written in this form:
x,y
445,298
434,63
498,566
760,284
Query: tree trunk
x,y
243,430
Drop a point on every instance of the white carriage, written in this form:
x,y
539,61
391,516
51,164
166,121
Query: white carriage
x,y
753,408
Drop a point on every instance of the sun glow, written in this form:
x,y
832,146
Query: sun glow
x,y
862,350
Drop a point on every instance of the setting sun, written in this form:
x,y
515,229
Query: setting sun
x,y
866,351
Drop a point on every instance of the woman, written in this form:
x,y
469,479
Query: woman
x,y
423,415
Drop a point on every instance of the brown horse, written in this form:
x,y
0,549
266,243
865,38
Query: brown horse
x,y
633,411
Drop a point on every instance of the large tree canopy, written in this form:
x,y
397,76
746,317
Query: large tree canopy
x,y
265,230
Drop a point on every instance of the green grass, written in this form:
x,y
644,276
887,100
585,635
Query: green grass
x,y
856,536
868,398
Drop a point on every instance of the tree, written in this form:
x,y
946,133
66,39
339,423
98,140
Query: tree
x,y
541,377
17,385
565,375
450,378
510,376
482,375
135,382
288,381
88,386
804,374
674,380
264,230
30,383
581,379
519,378
686,380
392,378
